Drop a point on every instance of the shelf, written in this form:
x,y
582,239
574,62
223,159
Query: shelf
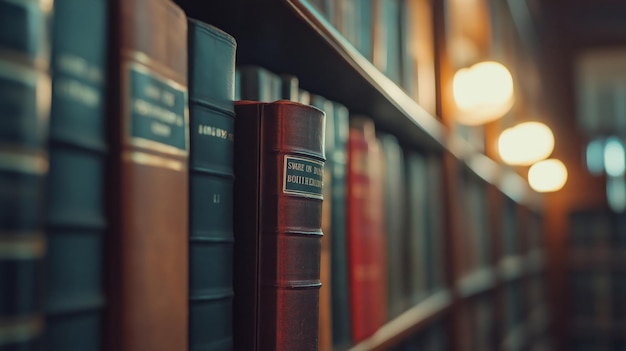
x,y
291,37
477,282
511,268
407,323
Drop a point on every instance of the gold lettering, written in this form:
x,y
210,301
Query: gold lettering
x,y
168,98
79,67
160,129
152,92
77,91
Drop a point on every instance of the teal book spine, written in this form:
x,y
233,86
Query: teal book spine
x,y
211,115
24,107
75,203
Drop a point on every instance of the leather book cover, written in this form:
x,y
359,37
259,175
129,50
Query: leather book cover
x,y
340,308
211,118
279,163
24,107
365,254
148,255
325,339
395,214
75,202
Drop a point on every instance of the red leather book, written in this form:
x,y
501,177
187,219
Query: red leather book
x,y
366,241
148,251
279,164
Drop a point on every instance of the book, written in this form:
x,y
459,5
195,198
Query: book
x,y
395,215
415,249
256,83
386,51
279,161
148,253
76,221
211,118
289,87
365,237
340,290
325,338
25,107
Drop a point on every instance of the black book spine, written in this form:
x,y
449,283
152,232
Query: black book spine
x,y
211,77
75,213
24,107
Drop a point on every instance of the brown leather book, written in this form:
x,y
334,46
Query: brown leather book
x,y
148,254
279,165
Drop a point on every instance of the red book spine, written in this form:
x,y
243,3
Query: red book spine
x,y
365,241
279,161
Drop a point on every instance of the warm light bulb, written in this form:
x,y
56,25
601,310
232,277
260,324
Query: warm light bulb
x,y
526,143
548,175
482,92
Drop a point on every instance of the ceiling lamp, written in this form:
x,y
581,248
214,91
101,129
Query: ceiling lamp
x,y
526,143
482,92
547,176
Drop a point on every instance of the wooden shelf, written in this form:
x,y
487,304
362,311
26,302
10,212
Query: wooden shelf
x,y
476,282
511,268
407,323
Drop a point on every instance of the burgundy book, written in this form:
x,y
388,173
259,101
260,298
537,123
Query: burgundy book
x,y
279,164
367,271
148,252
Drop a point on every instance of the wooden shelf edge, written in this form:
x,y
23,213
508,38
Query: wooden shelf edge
x,y
422,119
477,282
400,327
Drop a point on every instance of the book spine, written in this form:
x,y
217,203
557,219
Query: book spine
x,y
211,66
288,216
258,84
394,216
339,253
25,105
149,248
367,283
76,221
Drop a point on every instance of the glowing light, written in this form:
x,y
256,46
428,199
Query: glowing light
x,y
482,92
547,175
526,143
595,156
614,157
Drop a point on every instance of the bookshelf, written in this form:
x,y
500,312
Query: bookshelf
x,y
291,36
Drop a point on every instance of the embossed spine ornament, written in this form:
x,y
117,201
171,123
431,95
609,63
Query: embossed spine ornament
x,y
279,160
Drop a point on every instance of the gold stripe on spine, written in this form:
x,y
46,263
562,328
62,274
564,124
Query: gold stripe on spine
x,y
24,162
141,60
19,329
14,247
152,160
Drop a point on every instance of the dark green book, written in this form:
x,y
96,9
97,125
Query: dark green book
x,y
211,116
339,253
256,83
25,107
395,209
75,203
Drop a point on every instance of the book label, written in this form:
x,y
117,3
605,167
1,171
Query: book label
x,y
303,177
158,110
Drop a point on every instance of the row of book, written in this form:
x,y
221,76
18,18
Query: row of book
x,y
382,216
597,296
118,161
396,36
131,192
597,229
